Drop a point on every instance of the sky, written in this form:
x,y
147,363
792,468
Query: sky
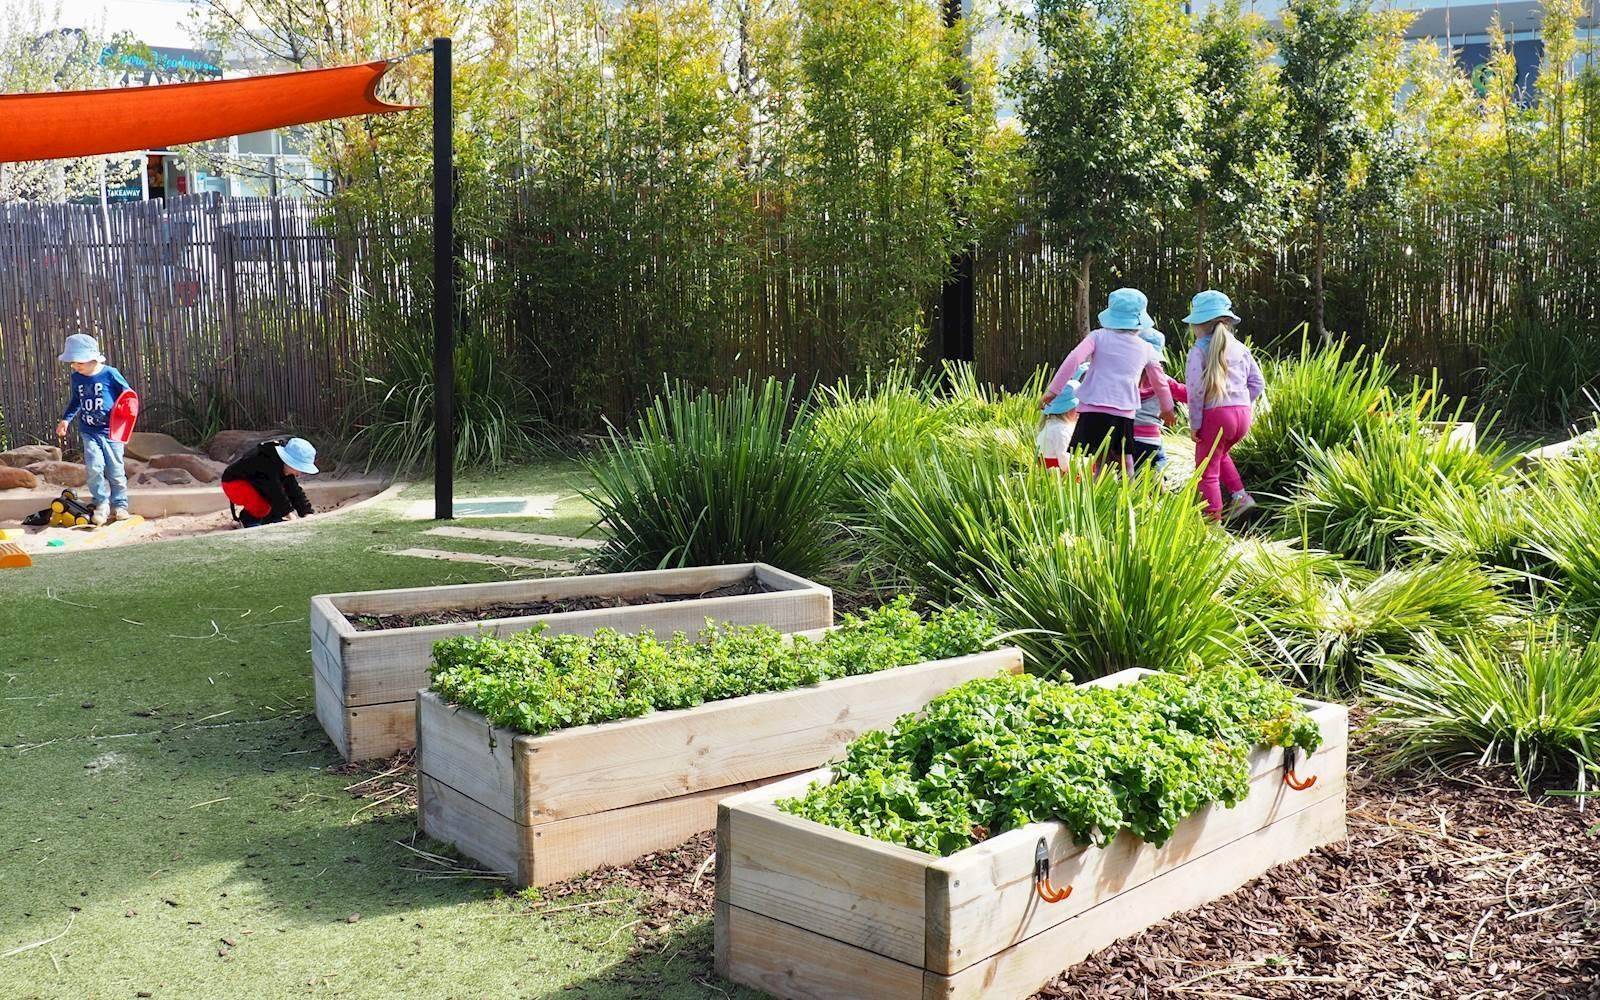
x,y
161,23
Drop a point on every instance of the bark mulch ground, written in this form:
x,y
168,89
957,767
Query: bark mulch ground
x,y
591,602
1449,888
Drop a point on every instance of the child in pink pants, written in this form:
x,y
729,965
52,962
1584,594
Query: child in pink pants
x,y
1224,382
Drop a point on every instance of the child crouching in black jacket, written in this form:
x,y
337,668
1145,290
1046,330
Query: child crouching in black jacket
x,y
263,487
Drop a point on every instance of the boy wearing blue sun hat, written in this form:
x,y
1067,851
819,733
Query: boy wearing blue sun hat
x,y
96,388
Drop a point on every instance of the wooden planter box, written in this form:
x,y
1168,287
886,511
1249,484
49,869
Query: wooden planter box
x,y
1462,432
367,682
806,910
544,808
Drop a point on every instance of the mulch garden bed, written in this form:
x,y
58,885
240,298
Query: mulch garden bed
x,y
1449,888
593,602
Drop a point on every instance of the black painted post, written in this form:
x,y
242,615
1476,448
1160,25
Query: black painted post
x,y
958,299
444,286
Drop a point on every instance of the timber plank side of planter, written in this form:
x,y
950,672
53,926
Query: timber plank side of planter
x,y
373,676
972,922
580,798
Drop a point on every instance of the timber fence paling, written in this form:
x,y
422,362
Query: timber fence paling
x,y
256,304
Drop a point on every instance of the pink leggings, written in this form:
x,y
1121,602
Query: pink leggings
x,y
1220,429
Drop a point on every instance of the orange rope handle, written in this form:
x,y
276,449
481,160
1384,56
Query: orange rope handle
x,y
1041,875
1290,755
1048,892
1296,783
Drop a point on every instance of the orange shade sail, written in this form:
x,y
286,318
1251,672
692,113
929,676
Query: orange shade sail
x,y
92,122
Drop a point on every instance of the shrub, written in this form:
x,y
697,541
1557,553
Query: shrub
x,y
898,421
1323,621
492,406
1363,499
998,753
1324,397
1543,374
1095,572
1564,499
536,683
718,478
1532,702
1493,527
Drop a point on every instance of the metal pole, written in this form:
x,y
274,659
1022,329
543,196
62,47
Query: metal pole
x,y
958,299
444,287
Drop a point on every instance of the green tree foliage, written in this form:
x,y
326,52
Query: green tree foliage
x,y
1112,138
1325,49
1242,197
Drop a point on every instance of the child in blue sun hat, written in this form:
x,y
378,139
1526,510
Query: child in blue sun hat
x,y
1109,394
1057,422
1224,383
1146,448
93,395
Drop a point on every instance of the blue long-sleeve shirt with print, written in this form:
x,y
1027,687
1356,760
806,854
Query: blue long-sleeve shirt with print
x,y
92,397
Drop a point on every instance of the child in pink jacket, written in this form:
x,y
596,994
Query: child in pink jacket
x,y
1109,395
1224,383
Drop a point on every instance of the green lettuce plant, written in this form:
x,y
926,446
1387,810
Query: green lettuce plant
x,y
998,753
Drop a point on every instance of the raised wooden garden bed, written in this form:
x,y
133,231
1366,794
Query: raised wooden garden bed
x,y
1462,432
806,910
545,808
369,661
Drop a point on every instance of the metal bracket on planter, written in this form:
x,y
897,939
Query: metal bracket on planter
x,y
1290,755
1041,875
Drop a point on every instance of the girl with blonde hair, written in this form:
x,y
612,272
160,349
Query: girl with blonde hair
x,y
1224,382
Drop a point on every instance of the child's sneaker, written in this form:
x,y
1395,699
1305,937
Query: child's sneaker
x,y
101,515
120,514
1240,505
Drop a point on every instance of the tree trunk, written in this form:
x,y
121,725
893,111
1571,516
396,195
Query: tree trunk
x,y
1084,264
1320,318
1199,247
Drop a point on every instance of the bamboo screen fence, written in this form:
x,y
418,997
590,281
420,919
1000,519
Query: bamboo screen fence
x,y
255,300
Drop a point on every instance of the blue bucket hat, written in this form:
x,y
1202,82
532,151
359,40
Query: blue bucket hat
x,y
1155,338
81,347
1067,400
1125,310
1209,305
298,455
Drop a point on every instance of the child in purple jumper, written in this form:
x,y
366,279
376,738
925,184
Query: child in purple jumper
x,y
1224,383
1109,395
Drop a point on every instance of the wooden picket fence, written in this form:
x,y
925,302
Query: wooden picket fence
x,y
256,309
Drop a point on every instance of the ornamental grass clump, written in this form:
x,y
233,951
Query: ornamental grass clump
x,y
898,421
535,683
1325,397
1321,621
1530,700
1094,574
706,479
1364,499
998,753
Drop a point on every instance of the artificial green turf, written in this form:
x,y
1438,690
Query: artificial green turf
x,y
164,786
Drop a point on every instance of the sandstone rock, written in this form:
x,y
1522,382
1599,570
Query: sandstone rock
x,y
133,466
164,477
226,446
201,468
145,445
28,454
60,473
13,478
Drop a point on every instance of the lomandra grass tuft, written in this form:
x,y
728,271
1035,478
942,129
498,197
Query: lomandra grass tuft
x,y
1530,700
707,478
1095,573
1323,398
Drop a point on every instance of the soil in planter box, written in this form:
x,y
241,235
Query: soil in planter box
x,y
590,602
